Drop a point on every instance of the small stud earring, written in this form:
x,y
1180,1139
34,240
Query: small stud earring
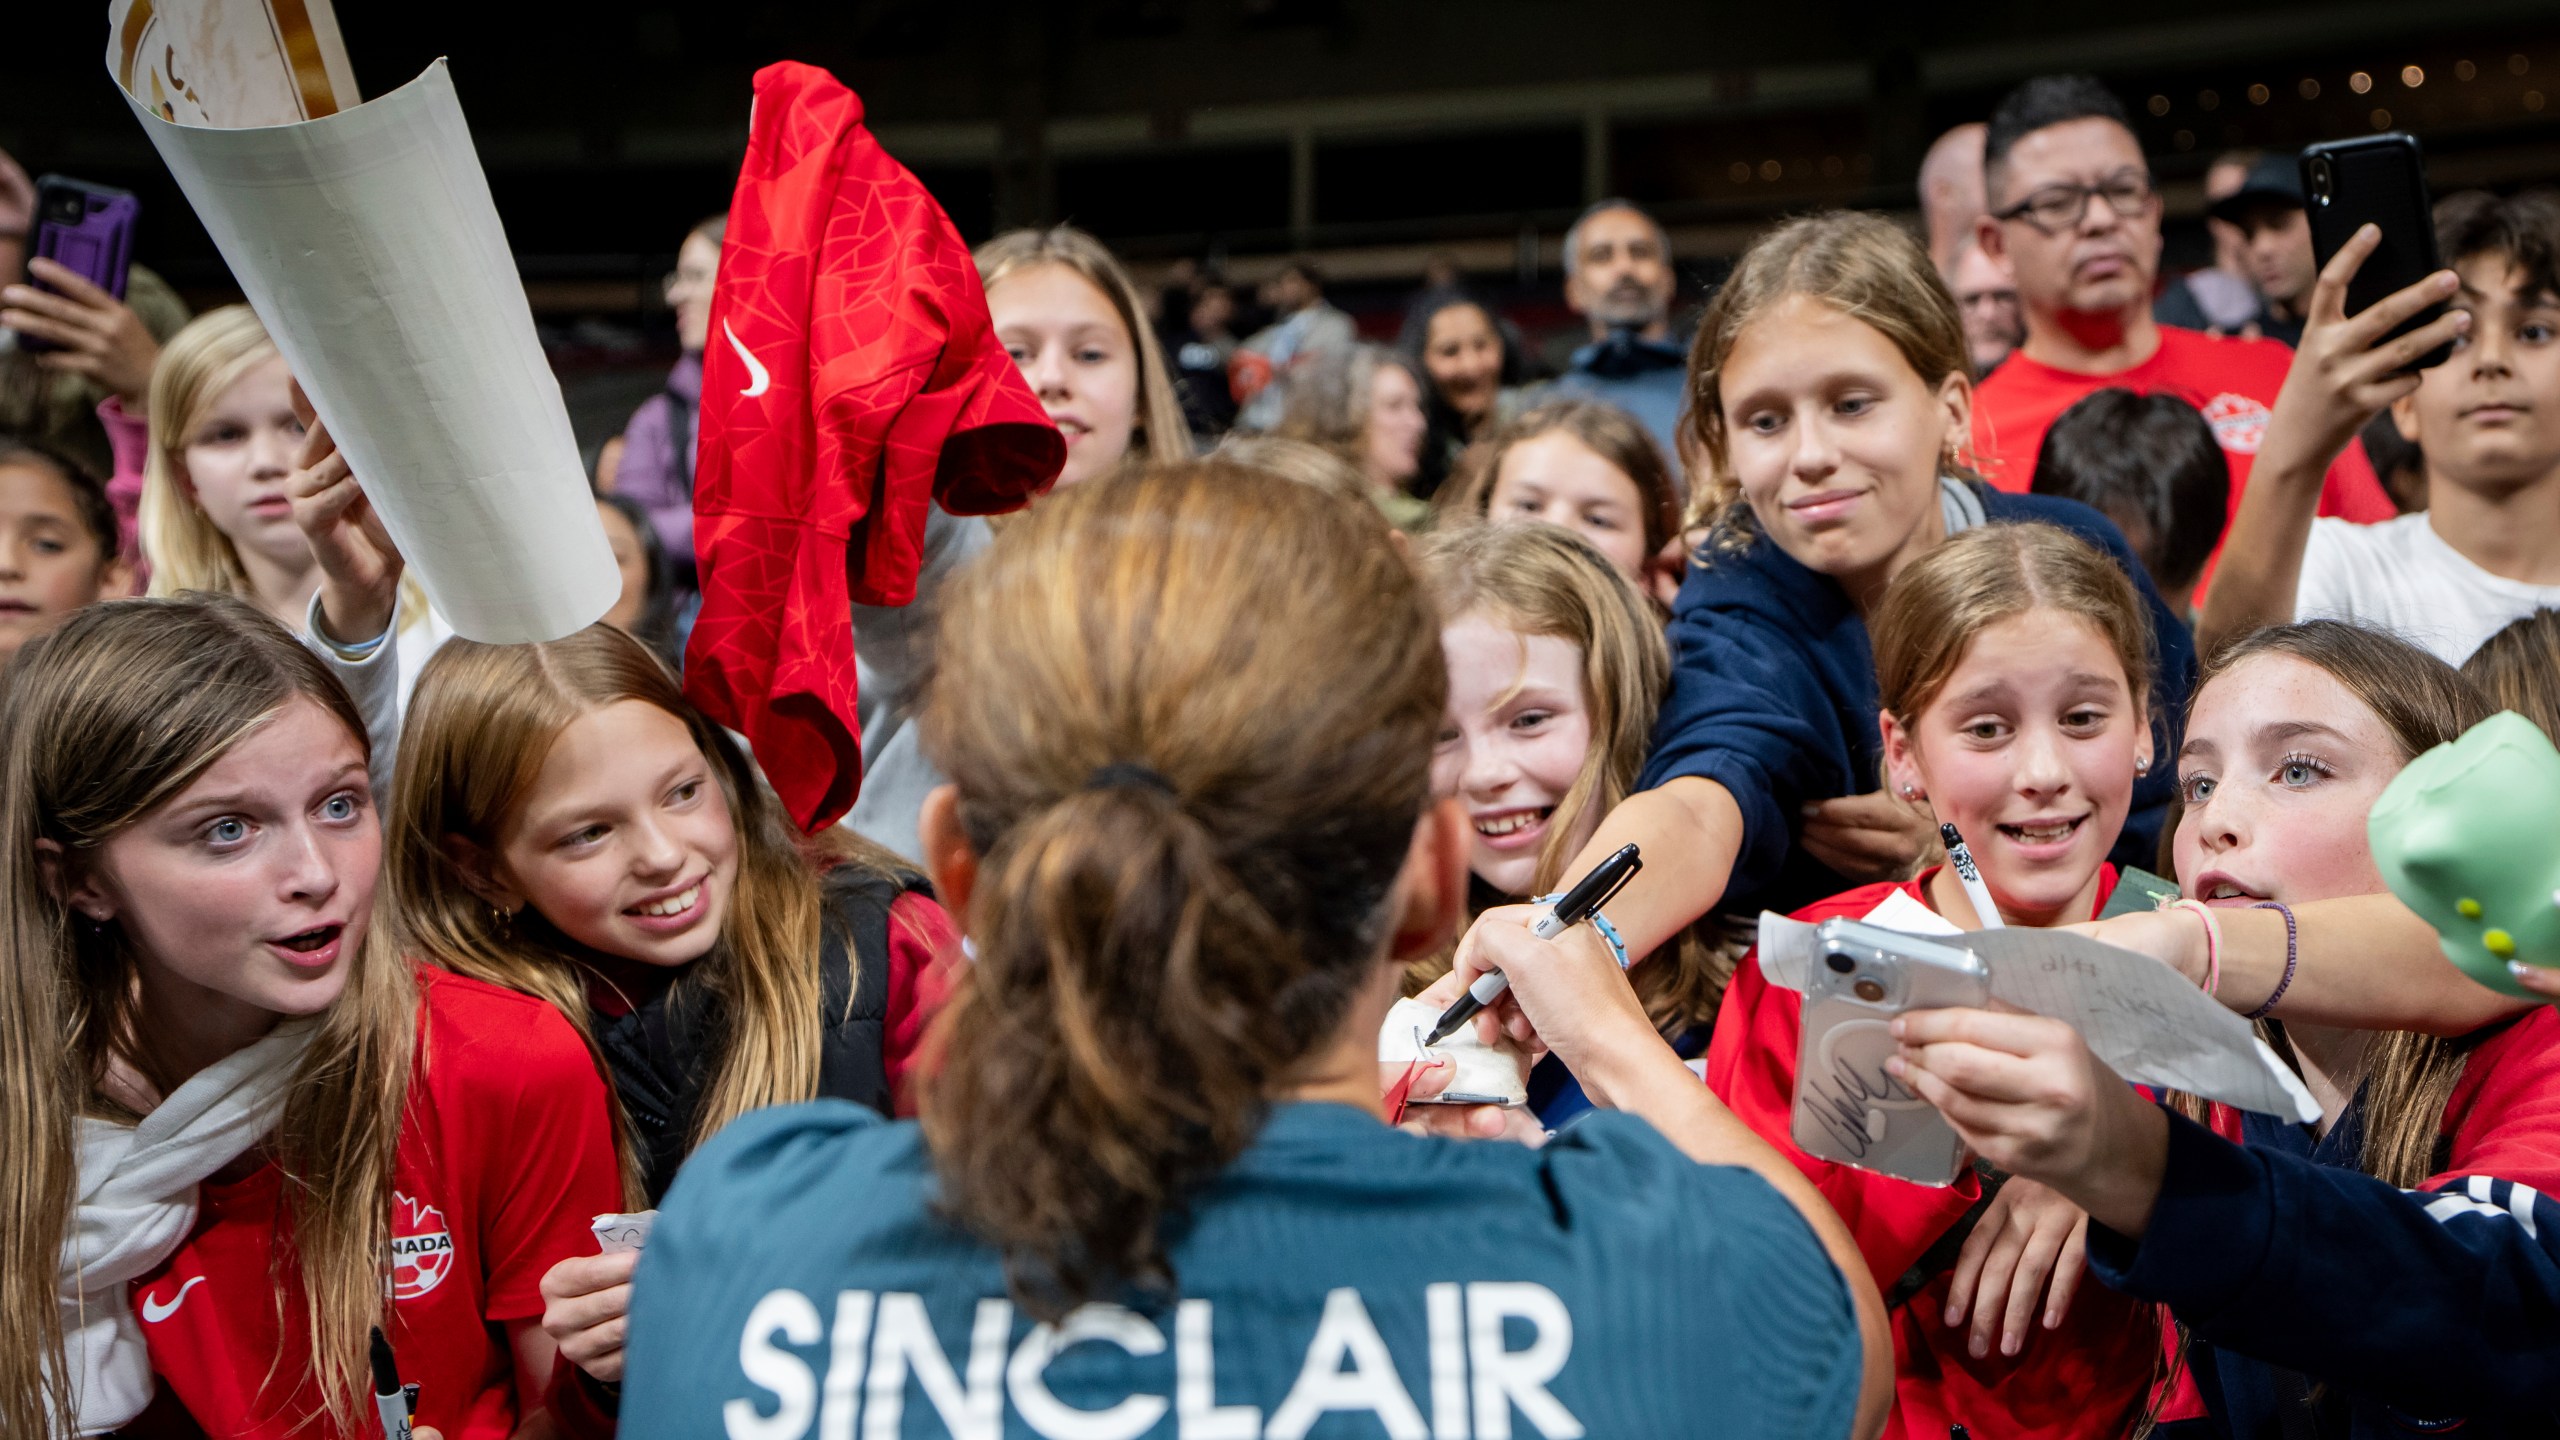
x,y
2141,764
1910,791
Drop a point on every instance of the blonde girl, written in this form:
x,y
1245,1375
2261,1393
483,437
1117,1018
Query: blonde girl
x,y
1556,667
566,825
1071,318
240,498
197,1008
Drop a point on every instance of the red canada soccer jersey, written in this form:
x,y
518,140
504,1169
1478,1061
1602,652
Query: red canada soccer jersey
x,y
506,1156
2086,1381
852,381
2232,381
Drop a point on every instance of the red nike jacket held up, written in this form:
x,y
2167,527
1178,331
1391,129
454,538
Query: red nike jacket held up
x,y
852,381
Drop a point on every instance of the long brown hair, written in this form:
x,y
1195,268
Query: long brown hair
x,y
1546,580
478,729
1189,717
1603,429
1163,434
1864,266
2408,1078
2518,668
105,719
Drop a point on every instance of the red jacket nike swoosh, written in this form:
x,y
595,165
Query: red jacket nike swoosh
x,y
852,380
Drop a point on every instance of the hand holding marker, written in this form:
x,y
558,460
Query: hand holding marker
x,y
1578,904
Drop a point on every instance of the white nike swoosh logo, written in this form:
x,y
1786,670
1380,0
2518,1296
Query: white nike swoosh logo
x,y
155,1312
760,380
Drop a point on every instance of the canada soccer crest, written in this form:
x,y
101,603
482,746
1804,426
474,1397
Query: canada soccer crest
x,y
421,1247
2239,423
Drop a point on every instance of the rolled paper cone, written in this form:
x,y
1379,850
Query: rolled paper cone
x,y
367,242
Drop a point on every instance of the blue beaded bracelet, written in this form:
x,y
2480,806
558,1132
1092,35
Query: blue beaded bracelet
x,y
1599,922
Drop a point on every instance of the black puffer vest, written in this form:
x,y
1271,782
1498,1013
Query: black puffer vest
x,y
664,1054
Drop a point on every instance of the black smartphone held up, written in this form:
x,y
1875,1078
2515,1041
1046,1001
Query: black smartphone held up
x,y
2379,180
87,228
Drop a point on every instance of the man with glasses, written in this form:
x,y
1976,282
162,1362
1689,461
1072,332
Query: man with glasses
x,y
2075,218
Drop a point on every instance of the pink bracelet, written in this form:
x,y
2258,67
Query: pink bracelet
x,y
2212,940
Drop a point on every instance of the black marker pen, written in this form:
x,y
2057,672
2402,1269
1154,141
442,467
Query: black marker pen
x,y
392,1400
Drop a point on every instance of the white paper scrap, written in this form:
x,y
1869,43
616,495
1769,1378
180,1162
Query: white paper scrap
x,y
2149,1023
367,242
617,1233
1486,1074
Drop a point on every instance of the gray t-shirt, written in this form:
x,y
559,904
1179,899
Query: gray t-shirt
x,y
892,645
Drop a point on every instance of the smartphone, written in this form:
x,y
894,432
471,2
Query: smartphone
x,y
1846,1107
85,228
2379,180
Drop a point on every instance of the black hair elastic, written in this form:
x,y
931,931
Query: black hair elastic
x,y
1123,774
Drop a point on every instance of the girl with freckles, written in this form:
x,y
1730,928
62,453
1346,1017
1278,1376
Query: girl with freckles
x,y
2013,665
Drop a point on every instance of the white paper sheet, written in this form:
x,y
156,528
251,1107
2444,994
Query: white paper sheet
x,y
2149,1023
368,244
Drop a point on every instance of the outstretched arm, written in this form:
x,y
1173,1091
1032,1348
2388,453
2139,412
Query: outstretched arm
x,y
2343,374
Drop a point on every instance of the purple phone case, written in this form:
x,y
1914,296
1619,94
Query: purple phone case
x,y
99,246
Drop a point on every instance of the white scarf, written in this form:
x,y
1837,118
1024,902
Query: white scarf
x,y
138,1203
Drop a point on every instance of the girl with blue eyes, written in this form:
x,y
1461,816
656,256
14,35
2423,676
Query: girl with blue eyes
x,y
565,824
244,1129
2392,1268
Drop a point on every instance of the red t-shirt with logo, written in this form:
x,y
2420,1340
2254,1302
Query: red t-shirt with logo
x,y
2233,381
505,1159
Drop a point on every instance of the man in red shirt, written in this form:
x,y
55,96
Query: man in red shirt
x,y
2075,218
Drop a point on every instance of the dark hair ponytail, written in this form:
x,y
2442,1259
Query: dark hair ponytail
x,y
1192,771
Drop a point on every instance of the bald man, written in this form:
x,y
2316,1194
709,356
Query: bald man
x,y
1951,192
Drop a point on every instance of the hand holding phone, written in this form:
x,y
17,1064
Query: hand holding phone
x,y
72,325
2381,181
2349,368
1847,1107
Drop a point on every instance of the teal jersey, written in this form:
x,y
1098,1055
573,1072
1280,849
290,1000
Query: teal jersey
x,y
1340,1279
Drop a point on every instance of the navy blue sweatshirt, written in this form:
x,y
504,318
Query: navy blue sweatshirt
x,y
1773,696
2412,1311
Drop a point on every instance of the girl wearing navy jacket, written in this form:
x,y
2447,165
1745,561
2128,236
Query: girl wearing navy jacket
x,y
2395,1268
1829,396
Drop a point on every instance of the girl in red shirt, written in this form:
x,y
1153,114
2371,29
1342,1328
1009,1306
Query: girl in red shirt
x,y
567,825
234,1115
2013,665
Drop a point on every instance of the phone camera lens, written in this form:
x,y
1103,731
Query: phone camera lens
x,y
1869,990
1840,964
